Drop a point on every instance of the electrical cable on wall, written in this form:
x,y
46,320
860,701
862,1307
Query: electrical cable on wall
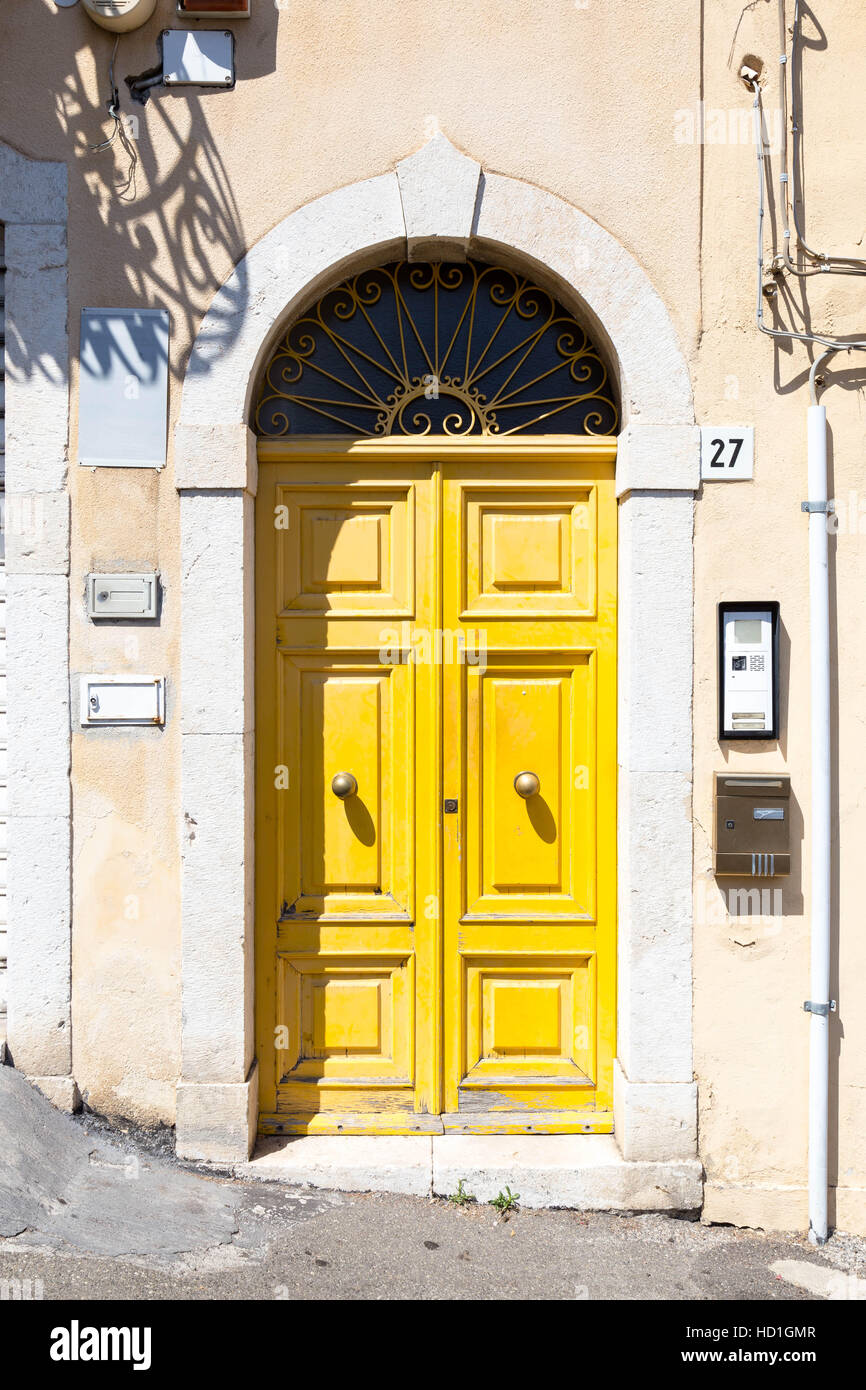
x,y
822,263
840,344
835,265
113,106
112,102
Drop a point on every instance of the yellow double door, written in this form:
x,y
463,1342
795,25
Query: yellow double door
x,y
436,768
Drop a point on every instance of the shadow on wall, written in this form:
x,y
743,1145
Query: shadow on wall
x,y
156,190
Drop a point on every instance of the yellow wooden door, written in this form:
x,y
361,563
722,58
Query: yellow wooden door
x,y
347,957
529,746
434,950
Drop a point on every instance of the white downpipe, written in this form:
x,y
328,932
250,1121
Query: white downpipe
x,y
819,1023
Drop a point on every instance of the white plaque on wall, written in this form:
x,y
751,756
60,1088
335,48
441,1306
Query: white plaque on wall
x,y
123,388
727,453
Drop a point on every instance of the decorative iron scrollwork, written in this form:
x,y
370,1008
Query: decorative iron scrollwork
x,y
417,349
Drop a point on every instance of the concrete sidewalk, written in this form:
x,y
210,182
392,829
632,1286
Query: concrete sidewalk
x,y
580,1171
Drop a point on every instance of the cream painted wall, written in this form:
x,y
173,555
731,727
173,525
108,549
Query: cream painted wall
x,y
751,979
590,100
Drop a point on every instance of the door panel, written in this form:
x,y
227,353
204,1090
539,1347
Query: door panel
x,y
528,915
436,951
348,970
523,1020
529,551
347,555
534,857
354,715
348,1018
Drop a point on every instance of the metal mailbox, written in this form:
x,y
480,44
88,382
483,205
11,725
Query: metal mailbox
x,y
122,596
752,824
122,699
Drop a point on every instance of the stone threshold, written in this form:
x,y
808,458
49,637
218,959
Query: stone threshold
x,y
582,1172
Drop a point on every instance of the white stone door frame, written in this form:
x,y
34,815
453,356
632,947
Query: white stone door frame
x,y
439,204
33,211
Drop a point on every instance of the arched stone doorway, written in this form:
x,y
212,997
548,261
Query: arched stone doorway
x,y
436,633
439,202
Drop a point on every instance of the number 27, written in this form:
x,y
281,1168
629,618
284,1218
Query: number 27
x,y
719,445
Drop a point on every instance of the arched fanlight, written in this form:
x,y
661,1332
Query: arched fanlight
x,y
418,349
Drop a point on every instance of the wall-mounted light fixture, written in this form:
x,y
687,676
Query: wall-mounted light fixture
x,y
189,58
120,16
214,9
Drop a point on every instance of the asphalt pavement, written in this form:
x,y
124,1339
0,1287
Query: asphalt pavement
x,y
87,1212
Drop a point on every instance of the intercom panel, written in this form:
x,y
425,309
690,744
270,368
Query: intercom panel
x,y
748,670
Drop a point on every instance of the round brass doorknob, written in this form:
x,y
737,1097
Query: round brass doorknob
x,y
343,785
526,784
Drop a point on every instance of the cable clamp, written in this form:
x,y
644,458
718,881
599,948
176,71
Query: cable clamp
x,y
826,507
811,1007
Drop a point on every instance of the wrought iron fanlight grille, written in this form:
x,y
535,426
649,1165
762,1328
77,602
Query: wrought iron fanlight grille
x,y
455,349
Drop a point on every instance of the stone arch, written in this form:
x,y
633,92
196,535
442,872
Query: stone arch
x,y
439,205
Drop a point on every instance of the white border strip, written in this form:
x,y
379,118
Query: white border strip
x,y
33,209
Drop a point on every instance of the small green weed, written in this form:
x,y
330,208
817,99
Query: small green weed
x,y
505,1202
461,1197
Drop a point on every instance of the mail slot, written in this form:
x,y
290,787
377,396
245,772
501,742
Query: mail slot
x,y
752,825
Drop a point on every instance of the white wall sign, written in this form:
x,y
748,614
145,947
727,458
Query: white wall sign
x,y
205,58
123,389
727,453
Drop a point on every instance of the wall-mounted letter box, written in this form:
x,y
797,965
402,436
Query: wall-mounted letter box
x,y
753,824
122,700
122,596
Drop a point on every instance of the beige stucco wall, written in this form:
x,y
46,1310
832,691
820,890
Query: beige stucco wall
x,y
751,980
588,100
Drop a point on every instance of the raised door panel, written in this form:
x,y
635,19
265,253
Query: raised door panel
x,y
528,1022
529,552
347,1019
345,552
533,857
351,856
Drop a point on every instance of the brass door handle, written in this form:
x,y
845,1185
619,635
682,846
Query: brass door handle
x,y
526,784
344,785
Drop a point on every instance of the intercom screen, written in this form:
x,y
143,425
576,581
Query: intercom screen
x,y
747,629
